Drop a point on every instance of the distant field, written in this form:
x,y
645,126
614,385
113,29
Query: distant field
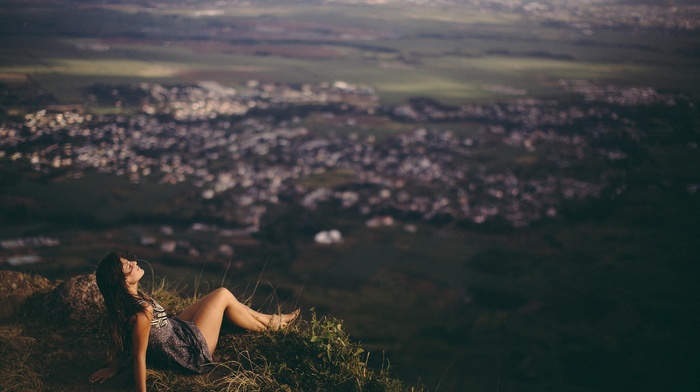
x,y
448,53
106,198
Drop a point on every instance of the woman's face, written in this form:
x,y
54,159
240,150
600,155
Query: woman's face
x,y
132,272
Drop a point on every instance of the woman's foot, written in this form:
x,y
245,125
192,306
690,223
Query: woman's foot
x,y
281,321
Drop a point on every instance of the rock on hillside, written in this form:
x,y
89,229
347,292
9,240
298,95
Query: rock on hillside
x,y
52,334
76,302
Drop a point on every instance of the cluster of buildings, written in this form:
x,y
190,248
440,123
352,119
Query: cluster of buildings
x,y
208,100
600,13
618,95
243,161
19,251
28,242
587,14
533,114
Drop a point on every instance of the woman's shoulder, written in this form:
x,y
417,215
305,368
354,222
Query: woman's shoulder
x,y
146,309
141,323
146,301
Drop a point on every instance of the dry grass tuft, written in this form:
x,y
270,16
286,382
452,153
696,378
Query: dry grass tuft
x,y
18,369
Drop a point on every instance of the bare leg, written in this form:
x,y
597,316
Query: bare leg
x,y
209,312
189,313
267,319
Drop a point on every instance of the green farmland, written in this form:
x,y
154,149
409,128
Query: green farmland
x,y
448,53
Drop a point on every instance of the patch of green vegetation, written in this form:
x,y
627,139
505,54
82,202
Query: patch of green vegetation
x,y
379,128
330,179
317,356
110,110
94,197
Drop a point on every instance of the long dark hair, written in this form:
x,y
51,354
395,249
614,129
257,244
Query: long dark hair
x,y
121,305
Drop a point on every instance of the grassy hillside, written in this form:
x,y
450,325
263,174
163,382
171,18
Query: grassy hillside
x,y
58,354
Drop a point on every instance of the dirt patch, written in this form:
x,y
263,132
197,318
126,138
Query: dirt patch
x,y
7,77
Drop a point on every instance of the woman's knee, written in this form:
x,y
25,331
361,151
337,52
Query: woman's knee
x,y
223,292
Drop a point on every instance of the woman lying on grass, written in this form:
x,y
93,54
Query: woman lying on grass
x,y
138,324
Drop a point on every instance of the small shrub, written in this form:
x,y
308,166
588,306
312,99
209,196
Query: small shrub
x,y
313,355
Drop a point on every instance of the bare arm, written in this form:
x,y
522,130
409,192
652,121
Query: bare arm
x,y
142,327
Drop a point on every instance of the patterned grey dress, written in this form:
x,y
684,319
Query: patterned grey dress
x,y
174,343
